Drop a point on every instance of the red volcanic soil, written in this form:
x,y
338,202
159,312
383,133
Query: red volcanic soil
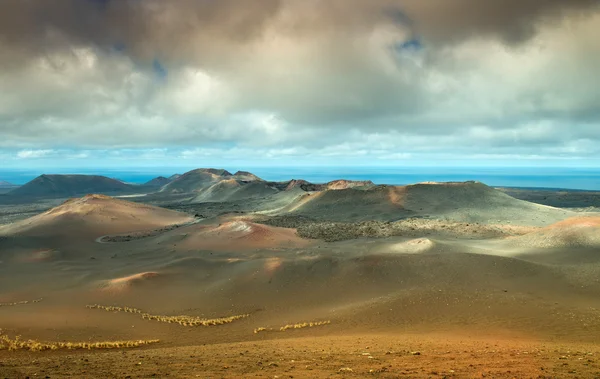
x,y
573,232
397,195
578,221
240,236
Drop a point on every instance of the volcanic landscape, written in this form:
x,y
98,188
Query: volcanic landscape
x,y
214,274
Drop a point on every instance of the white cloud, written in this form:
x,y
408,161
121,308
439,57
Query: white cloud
x,y
296,86
79,155
33,154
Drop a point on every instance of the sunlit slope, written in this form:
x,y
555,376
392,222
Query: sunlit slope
x,y
92,216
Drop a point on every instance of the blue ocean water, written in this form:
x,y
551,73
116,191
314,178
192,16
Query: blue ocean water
x,y
536,177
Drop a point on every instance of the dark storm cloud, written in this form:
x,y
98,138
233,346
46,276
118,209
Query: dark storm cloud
x,y
512,20
181,29
171,30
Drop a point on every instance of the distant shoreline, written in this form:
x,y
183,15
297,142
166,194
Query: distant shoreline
x,y
540,178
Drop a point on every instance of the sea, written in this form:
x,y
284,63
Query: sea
x,y
587,178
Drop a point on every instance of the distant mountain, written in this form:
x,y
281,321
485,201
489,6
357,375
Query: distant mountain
x,y
197,180
246,176
232,190
312,187
158,182
216,171
218,185
6,184
173,177
70,185
299,183
345,184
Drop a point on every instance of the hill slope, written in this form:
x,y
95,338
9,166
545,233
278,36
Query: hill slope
x,y
231,190
92,216
476,202
464,202
351,204
576,232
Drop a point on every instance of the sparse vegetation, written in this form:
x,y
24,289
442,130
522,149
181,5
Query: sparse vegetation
x,y
109,308
414,227
16,343
304,325
193,321
181,320
20,303
301,325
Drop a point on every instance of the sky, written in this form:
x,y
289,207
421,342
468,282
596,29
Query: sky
x,y
111,83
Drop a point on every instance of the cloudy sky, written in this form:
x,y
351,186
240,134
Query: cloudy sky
x,y
302,82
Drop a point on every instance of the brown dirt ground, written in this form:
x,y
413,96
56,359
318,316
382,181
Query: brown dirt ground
x,y
382,356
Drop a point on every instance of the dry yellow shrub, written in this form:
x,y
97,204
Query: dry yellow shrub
x,y
181,320
304,325
11,344
294,326
114,309
19,303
